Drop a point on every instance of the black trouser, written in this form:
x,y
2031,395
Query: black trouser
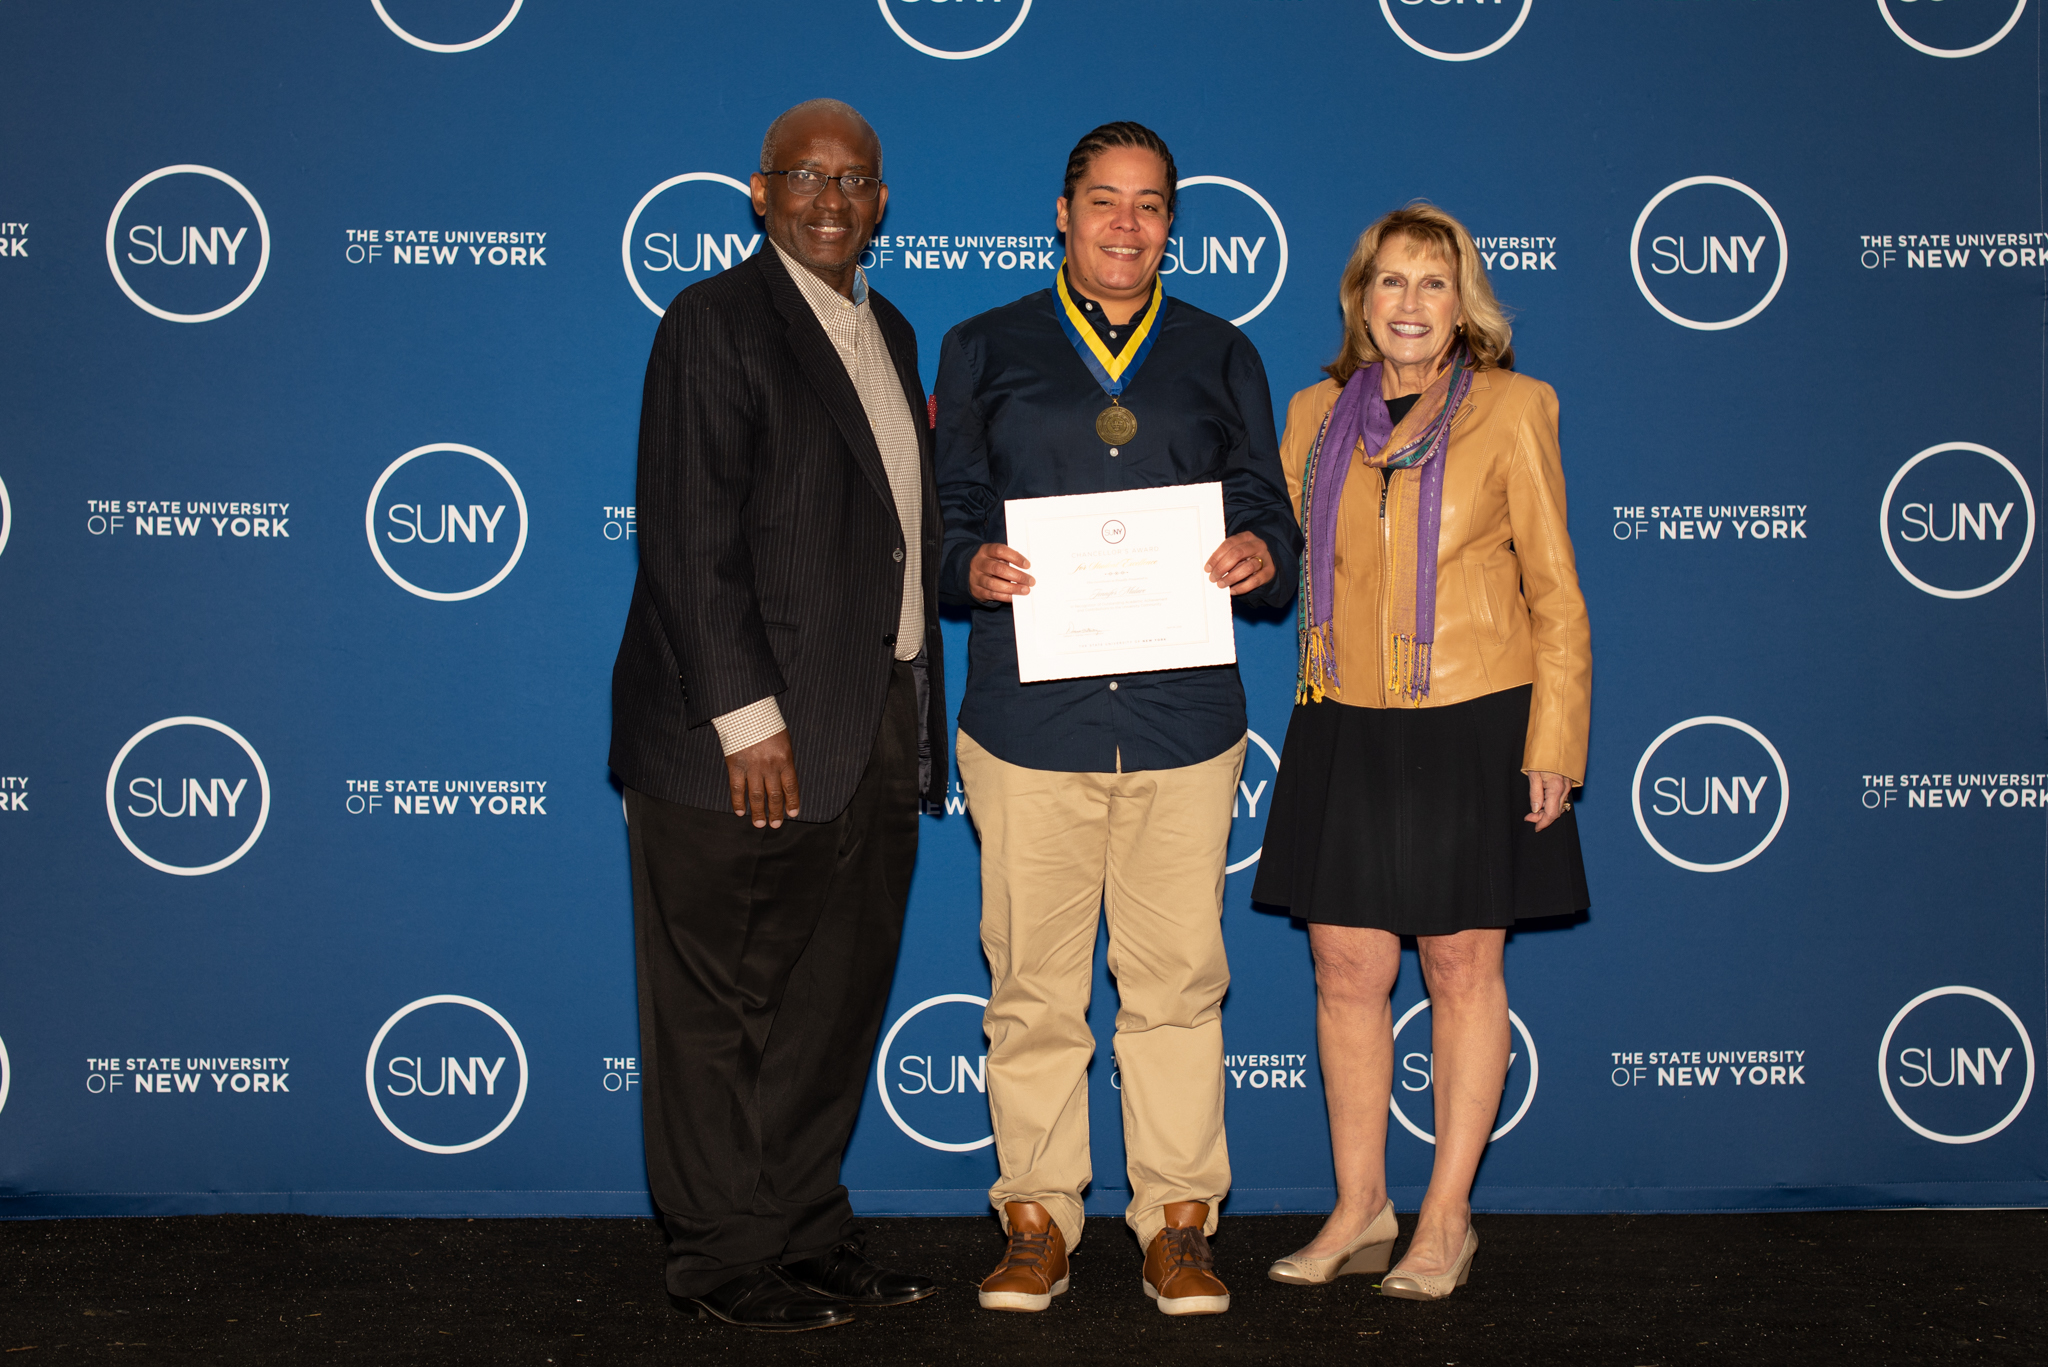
x,y
764,962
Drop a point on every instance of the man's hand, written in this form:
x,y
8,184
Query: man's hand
x,y
1240,564
763,778
1547,794
996,574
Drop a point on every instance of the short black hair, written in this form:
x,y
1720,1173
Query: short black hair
x,y
1120,134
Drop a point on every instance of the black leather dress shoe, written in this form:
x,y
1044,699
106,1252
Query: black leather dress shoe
x,y
763,1299
845,1274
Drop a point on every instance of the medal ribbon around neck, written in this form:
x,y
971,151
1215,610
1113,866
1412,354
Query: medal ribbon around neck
x,y
1114,373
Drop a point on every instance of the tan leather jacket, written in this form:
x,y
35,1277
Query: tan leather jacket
x,y
1508,607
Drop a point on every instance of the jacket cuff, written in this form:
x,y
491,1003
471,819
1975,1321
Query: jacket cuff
x,y
953,563
1551,760
744,726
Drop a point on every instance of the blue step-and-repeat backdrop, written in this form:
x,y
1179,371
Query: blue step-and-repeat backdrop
x,y
322,329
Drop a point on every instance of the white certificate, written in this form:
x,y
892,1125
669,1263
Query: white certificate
x,y
1121,588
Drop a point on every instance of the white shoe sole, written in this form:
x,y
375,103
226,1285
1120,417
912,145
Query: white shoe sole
x,y
1019,1300
1185,1305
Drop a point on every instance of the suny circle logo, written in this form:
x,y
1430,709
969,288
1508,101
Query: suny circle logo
x,y
682,216
1221,254
1439,23
956,24
1965,1035
1714,243
452,534
419,42
6,517
941,1055
181,236
1717,768
1415,1074
1947,510
1248,809
443,1074
183,788
6,1074
1955,29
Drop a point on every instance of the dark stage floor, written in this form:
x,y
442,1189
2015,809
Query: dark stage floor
x,y
1867,1288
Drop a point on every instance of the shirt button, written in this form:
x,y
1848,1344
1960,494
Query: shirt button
x,y
890,639
1112,685
1112,450
897,555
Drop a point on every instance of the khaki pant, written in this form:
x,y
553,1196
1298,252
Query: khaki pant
x,y
1150,848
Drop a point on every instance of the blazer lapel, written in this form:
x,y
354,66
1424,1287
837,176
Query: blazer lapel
x,y
903,355
820,363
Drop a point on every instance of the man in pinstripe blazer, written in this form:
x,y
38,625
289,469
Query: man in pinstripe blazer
x,y
778,715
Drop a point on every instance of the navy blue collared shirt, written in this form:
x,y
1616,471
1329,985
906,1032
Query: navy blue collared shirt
x,y
1016,419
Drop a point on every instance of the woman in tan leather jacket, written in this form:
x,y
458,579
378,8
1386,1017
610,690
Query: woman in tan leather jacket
x,y
1440,721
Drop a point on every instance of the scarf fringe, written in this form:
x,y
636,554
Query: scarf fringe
x,y
1408,666
1318,673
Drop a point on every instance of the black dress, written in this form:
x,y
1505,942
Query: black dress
x,y
1410,819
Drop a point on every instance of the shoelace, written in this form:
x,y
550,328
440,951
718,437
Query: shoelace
x,y
1029,1250
1187,1248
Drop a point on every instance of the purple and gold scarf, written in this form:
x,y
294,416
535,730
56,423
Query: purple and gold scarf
x,y
1418,443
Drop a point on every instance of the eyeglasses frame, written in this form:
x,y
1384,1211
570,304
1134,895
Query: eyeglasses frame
x,y
879,183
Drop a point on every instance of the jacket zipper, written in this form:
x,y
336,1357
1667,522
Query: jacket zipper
x,y
1400,813
1386,618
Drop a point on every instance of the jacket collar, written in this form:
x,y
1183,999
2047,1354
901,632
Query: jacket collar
x,y
820,363
1482,381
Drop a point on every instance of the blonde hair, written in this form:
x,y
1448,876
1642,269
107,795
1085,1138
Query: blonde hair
x,y
1484,322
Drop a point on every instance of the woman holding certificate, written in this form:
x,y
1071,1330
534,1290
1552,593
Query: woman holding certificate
x,y
1107,784
1440,721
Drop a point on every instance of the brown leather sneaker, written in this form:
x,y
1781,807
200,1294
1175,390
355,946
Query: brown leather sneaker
x,y
1034,1267
1179,1273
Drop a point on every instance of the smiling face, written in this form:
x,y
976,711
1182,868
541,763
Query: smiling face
x,y
1411,306
827,232
1116,225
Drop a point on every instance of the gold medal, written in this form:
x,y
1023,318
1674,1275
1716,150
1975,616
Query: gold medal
x,y
1116,424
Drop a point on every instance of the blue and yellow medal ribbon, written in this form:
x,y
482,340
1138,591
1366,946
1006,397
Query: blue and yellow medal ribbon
x,y
1112,372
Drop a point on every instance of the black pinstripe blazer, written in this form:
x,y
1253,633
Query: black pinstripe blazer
x,y
771,560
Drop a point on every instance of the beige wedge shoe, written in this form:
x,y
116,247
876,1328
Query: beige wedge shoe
x,y
1371,1251
1413,1286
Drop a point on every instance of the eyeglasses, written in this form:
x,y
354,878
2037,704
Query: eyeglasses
x,y
809,184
